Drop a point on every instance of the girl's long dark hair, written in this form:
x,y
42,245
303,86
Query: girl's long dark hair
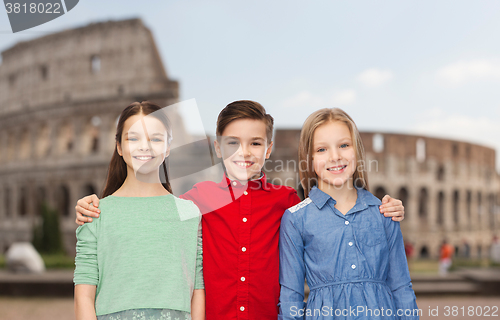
x,y
117,170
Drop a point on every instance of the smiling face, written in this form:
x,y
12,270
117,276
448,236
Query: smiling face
x,y
144,144
244,148
334,156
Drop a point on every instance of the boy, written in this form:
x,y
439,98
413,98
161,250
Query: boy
x,y
240,237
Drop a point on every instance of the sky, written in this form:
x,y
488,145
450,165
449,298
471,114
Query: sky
x,y
415,67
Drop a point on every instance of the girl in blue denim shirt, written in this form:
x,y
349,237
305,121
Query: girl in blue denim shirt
x,y
351,256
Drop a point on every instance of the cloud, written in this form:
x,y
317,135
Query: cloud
x,y
344,97
465,71
375,77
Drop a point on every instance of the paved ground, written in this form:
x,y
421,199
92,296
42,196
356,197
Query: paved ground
x,y
62,309
36,309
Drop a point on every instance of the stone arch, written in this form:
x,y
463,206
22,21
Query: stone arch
x,y
479,205
95,123
11,147
378,143
89,189
2,146
62,197
424,252
23,209
24,146
403,195
44,72
455,150
469,208
420,150
65,137
440,174
43,141
7,202
423,199
380,192
41,197
91,135
491,211
95,63
456,207
440,209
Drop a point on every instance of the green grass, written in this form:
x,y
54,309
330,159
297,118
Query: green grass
x,y
469,263
432,266
52,261
58,261
424,266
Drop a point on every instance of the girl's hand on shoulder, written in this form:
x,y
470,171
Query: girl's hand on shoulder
x,y
83,207
392,208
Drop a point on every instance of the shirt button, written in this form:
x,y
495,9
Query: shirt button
x,y
242,308
350,244
242,278
243,249
353,266
245,193
234,183
346,223
245,219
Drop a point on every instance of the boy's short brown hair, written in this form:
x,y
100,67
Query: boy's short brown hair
x,y
244,109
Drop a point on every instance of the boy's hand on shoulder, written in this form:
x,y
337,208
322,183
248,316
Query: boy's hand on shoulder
x,y
392,208
84,208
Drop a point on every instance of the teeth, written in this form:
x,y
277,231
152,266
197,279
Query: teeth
x,y
243,164
336,169
144,158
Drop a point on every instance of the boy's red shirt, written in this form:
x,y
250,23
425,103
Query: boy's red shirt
x,y
240,246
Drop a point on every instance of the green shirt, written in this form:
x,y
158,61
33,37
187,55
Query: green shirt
x,y
142,252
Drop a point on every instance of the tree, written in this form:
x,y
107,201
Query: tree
x,y
47,235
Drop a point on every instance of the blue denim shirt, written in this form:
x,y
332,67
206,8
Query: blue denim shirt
x,y
354,264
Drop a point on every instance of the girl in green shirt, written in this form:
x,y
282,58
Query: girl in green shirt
x,y
150,269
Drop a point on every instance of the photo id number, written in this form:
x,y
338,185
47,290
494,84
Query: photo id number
x,y
33,7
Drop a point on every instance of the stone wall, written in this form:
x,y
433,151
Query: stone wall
x,y
450,189
60,98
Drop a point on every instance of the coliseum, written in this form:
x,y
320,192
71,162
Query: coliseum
x,y
450,189
60,97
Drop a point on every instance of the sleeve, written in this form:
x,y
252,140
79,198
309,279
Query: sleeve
x,y
398,278
86,268
198,280
293,199
292,270
190,195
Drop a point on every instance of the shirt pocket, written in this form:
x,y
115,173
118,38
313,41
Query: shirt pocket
x,y
370,235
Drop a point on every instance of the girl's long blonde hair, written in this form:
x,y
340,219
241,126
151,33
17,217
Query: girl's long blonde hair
x,y
308,177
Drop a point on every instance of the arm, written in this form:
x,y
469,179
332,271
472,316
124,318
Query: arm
x,y
292,270
198,304
398,278
84,302
392,208
86,274
198,299
83,207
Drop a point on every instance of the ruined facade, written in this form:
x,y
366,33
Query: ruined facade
x,y
60,98
450,189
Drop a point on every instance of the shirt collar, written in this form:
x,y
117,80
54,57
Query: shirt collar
x,y
254,183
365,199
